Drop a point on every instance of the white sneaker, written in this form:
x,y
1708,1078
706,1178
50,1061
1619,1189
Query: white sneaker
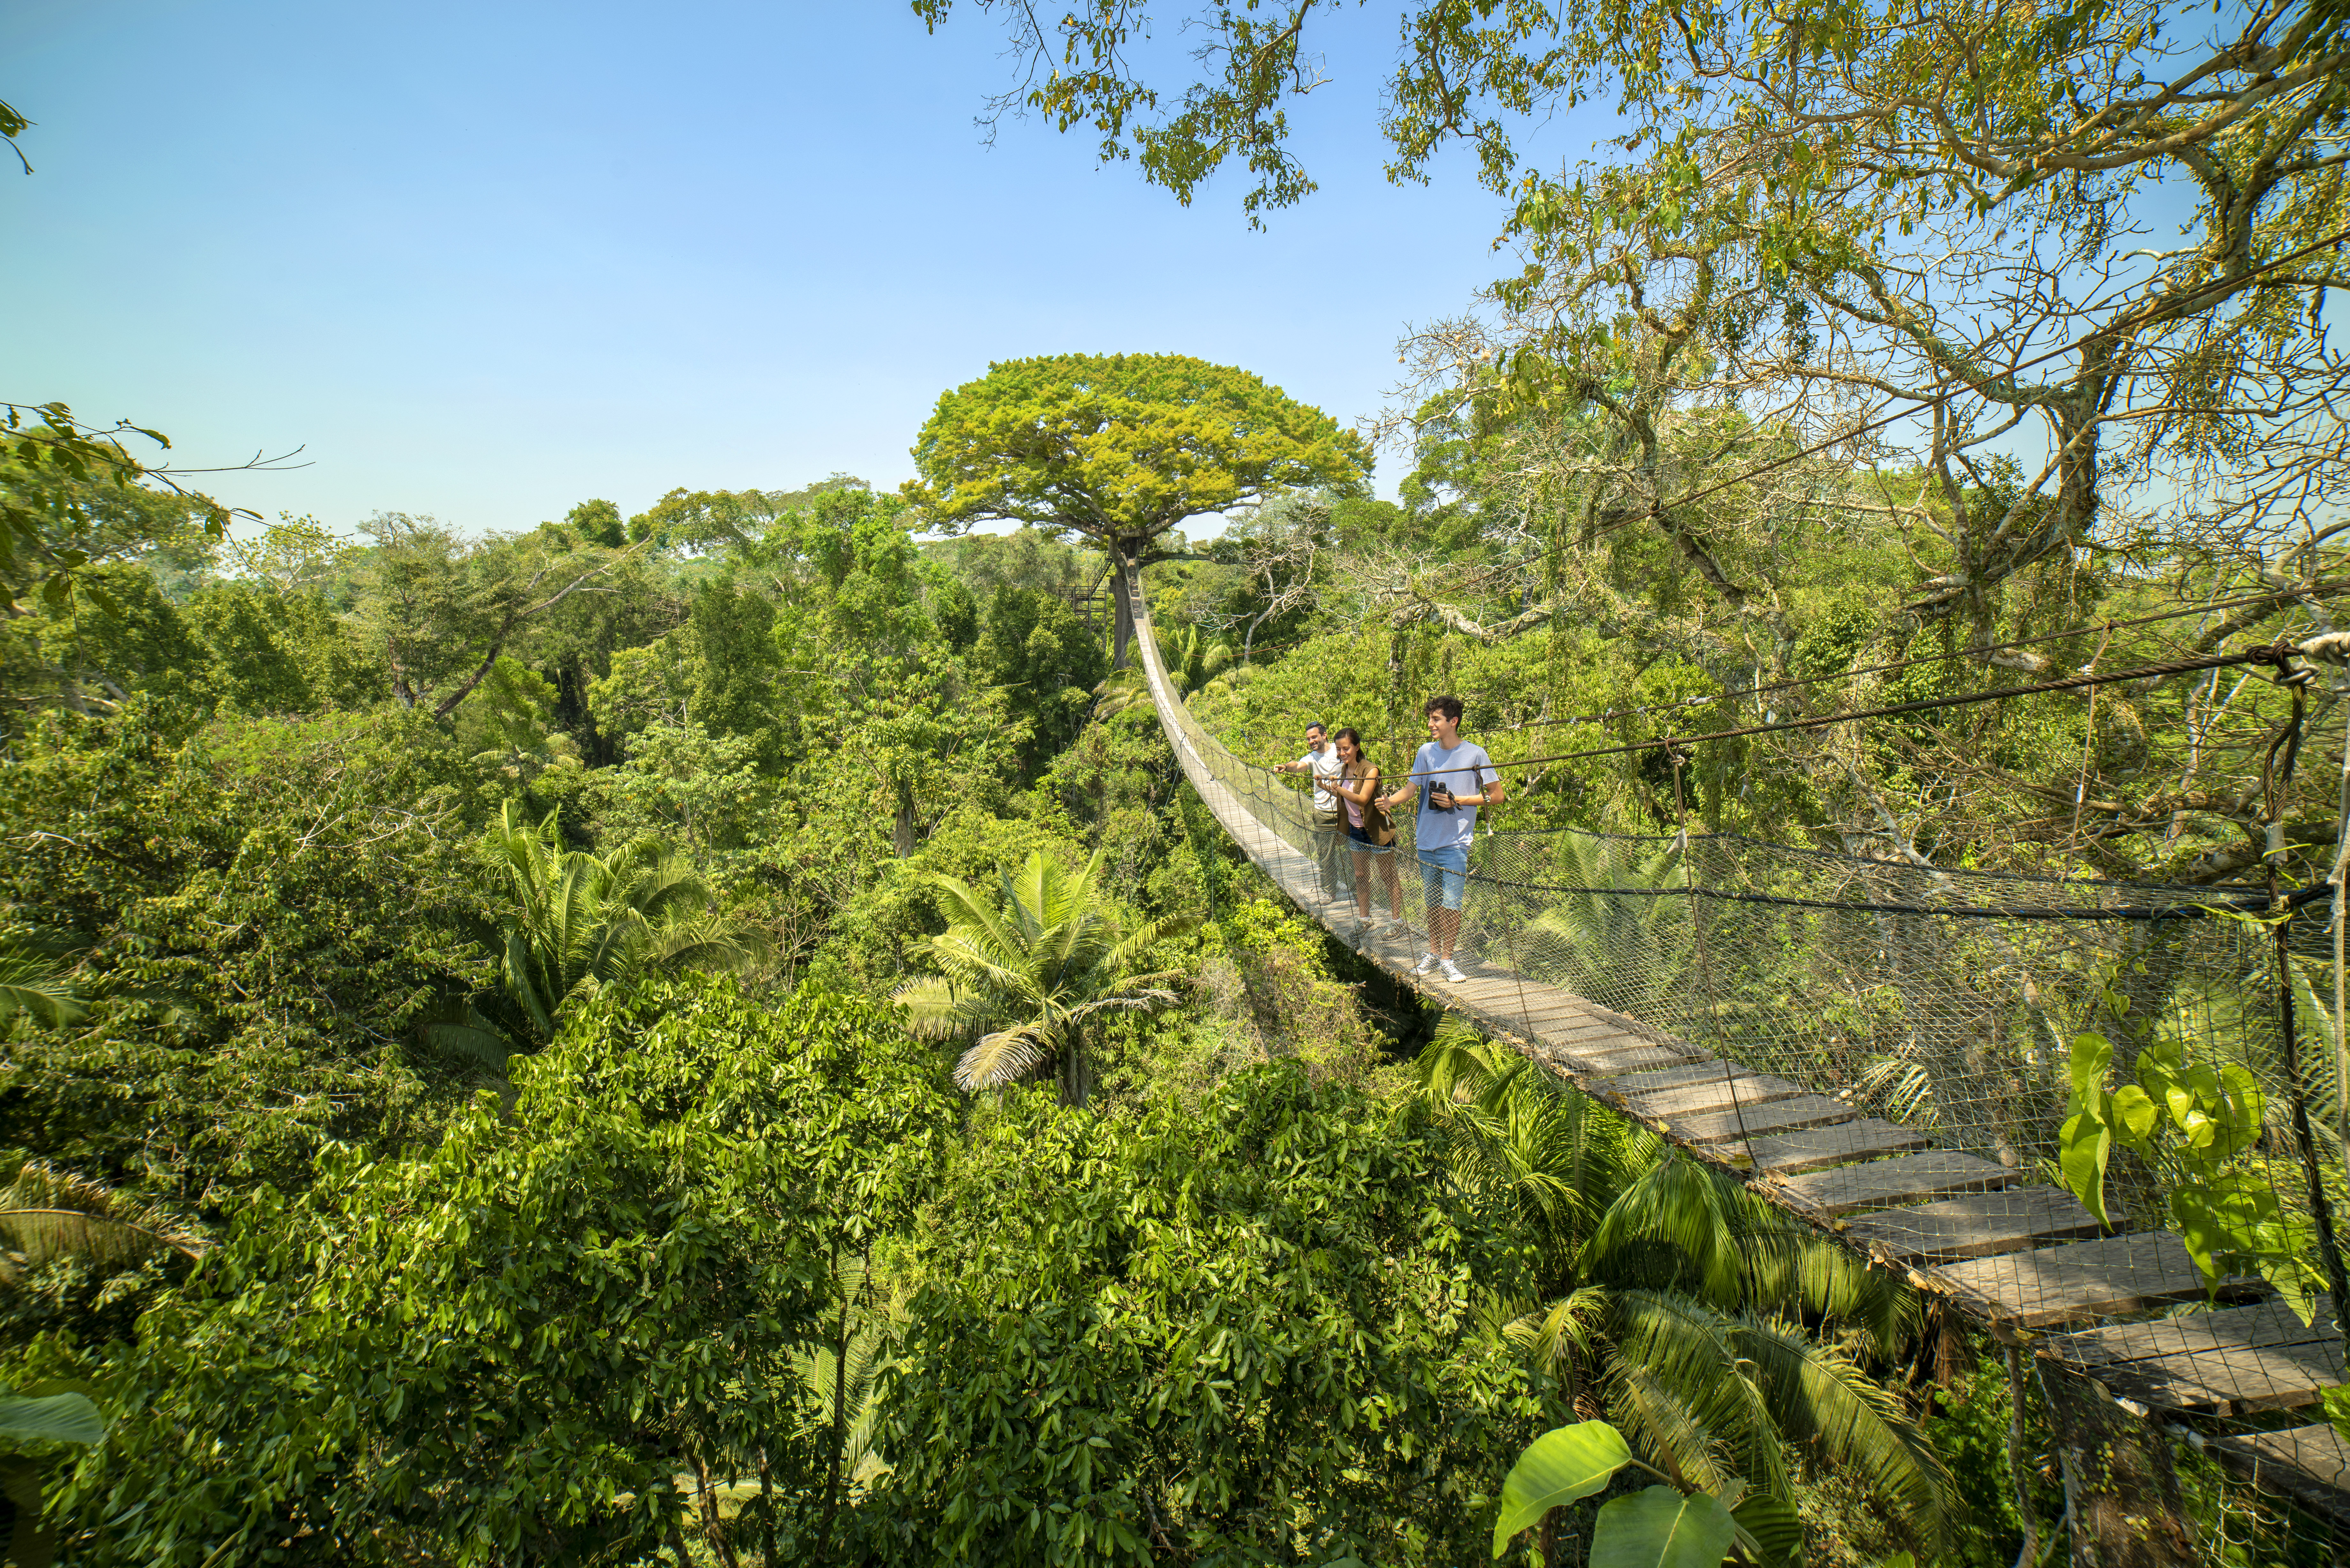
x,y
1426,964
1450,970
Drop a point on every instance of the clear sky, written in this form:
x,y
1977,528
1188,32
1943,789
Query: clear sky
x,y
485,260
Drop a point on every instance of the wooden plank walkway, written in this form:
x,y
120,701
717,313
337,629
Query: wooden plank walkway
x,y
2021,1259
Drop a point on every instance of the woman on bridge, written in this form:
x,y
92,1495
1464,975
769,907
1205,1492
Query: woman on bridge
x,y
1370,833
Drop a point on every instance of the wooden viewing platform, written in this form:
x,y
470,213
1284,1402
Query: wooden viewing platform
x,y
2017,1257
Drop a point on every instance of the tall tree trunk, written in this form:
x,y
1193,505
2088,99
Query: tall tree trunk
x,y
902,828
1123,592
833,1480
2118,1479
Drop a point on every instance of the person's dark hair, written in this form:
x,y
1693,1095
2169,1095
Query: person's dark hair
x,y
1318,725
1448,706
1348,734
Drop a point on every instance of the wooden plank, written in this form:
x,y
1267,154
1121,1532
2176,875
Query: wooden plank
x,y
2080,1280
1787,1154
1979,1225
1600,1040
2310,1463
1780,1116
1608,1040
1620,1059
1564,1060
2268,1322
1583,1027
2230,1382
1732,1086
1930,1175
1553,1013
1667,1078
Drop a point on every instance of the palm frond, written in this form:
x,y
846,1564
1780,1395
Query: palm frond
x,y
468,1036
38,988
1899,1088
1125,1002
527,984
1658,1422
1122,955
1026,892
935,1010
664,888
1688,1215
1568,1328
967,957
1682,1349
47,1213
1004,1058
703,942
1458,1063
1822,1400
968,910
1040,958
1791,1265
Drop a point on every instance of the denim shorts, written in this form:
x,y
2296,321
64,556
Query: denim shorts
x,y
1444,876
1361,842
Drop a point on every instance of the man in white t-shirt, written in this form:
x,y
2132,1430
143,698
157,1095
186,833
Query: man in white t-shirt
x,y
1321,760
1452,778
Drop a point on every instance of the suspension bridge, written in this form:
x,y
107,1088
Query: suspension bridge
x,y
1877,1049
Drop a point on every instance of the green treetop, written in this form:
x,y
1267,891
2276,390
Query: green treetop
x,y
1121,448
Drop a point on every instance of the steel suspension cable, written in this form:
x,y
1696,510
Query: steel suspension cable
x,y
2278,654
2314,590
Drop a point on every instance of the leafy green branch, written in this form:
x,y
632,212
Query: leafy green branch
x,y
2193,1123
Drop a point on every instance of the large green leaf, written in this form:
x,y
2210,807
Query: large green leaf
x,y
54,1418
1558,1467
1777,1530
2083,1146
2092,1054
2135,1115
1662,1527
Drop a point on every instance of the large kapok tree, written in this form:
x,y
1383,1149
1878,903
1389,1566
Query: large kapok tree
x,y
1121,448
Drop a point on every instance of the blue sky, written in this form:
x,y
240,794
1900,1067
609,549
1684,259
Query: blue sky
x,y
486,261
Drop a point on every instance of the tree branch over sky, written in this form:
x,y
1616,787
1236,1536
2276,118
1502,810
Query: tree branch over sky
x,y
1914,242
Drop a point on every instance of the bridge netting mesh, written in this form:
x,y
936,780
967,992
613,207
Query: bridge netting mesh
x,y
1944,1001
1947,1000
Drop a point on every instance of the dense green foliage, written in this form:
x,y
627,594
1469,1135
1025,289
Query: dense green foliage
x,y
1121,448
1256,1322
533,1326
721,1035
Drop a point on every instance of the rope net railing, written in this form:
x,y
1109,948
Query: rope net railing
x,y
1913,1009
